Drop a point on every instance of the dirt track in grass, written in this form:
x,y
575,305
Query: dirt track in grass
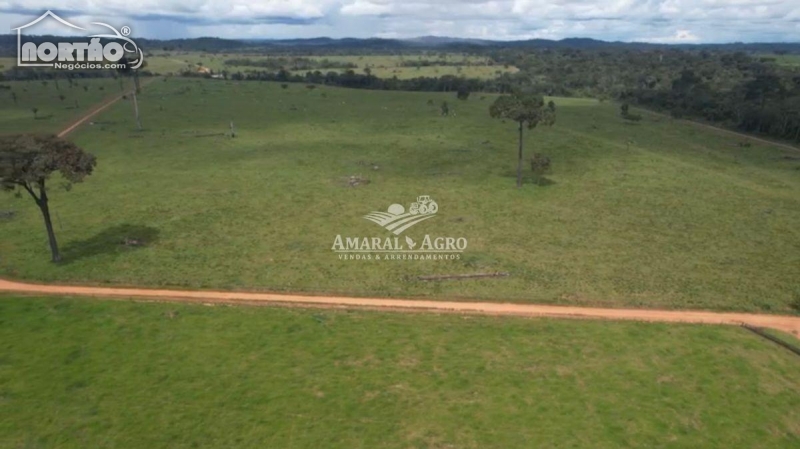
x,y
97,109
783,323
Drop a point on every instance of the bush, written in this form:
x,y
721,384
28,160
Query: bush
x,y
540,164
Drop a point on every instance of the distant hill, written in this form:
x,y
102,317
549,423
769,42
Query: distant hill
x,y
8,44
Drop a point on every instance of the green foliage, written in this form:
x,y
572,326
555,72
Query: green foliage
x,y
731,89
293,63
627,115
29,159
540,165
526,108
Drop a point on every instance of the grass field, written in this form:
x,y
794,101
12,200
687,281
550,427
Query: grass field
x,y
7,63
383,66
655,214
787,60
54,113
89,373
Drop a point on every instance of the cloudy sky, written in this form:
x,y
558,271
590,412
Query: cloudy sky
x,y
670,21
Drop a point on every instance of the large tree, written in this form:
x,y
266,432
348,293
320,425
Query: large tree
x,y
28,161
527,109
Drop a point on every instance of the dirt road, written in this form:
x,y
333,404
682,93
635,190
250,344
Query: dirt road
x,y
783,323
96,110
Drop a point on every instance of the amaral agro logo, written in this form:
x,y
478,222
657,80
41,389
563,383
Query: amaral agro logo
x,y
398,219
95,51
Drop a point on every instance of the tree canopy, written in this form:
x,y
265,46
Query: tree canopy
x,y
26,160
525,108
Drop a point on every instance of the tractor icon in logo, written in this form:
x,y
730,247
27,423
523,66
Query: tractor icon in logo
x,y
424,206
397,220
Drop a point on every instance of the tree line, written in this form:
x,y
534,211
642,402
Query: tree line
x,y
728,88
354,80
297,63
731,89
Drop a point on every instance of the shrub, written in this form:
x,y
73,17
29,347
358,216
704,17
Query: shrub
x,y
540,164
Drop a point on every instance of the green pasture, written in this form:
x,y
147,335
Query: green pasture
x,y
78,373
383,66
658,213
58,102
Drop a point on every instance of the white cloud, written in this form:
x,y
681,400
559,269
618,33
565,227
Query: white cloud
x,y
366,8
679,37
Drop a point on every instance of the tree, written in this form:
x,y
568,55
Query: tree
x,y
28,161
35,113
462,94
527,109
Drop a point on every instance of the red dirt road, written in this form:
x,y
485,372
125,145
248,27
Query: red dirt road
x,y
783,323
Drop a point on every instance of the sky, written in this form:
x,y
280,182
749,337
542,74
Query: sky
x,y
661,21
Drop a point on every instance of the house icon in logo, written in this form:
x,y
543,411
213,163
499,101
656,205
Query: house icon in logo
x,y
48,13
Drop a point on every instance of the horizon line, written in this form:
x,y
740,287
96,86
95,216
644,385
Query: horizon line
x,y
455,40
